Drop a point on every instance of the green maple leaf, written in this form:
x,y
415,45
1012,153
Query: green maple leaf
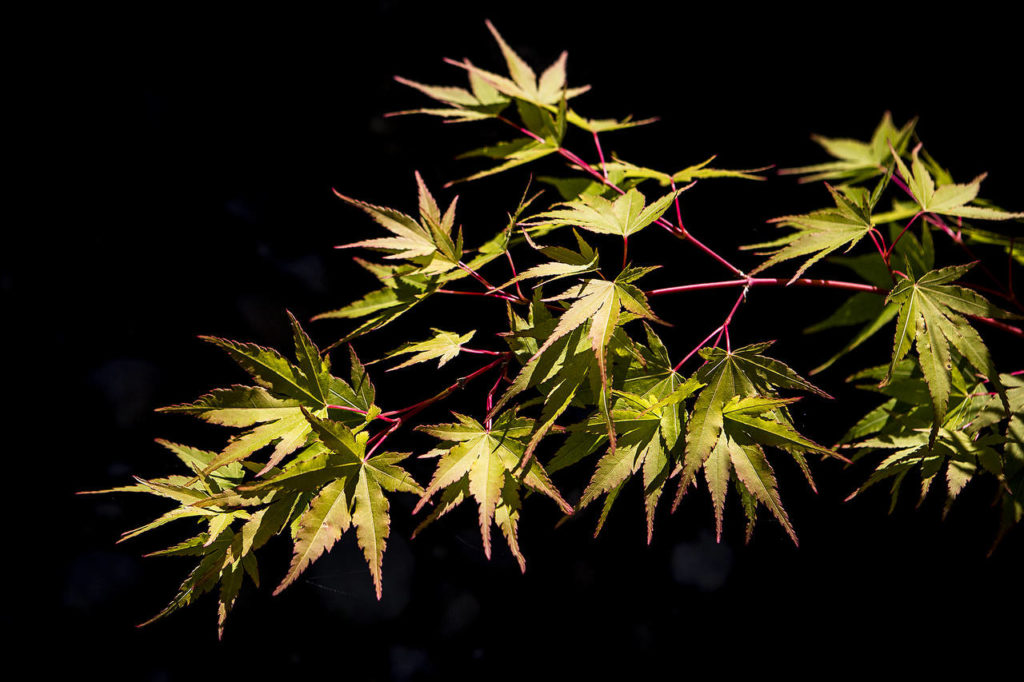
x,y
966,446
226,553
735,414
931,318
625,215
648,428
947,199
547,91
481,101
486,463
564,262
819,233
274,406
443,345
548,131
401,292
427,243
522,82
857,160
354,499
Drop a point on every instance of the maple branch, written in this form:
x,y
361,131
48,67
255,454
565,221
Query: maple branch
x,y
771,281
661,222
480,278
1016,331
408,412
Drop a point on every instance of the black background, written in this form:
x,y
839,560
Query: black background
x,y
184,165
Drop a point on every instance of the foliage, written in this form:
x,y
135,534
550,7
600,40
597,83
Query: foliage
x,y
588,382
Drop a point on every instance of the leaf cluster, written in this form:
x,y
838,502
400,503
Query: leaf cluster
x,y
580,378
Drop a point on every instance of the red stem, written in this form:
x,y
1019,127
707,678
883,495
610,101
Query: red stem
x,y
490,394
770,281
511,264
699,346
408,412
600,154
1016,331
679,212
480,351
888,252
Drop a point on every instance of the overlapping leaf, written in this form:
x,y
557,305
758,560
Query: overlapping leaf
x,y
273,407
931,318
648,427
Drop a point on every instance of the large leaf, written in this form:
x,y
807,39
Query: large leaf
x,y
931,317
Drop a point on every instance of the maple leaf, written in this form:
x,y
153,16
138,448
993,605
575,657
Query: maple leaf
x,y
443,345
966,445
857,160
564,262
481,101
427,243
735,414
355,498
561,371
931,318
625,215
648,428
819,233
274,406
947,199
488,465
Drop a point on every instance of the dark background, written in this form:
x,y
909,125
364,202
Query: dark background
x,y
185,164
